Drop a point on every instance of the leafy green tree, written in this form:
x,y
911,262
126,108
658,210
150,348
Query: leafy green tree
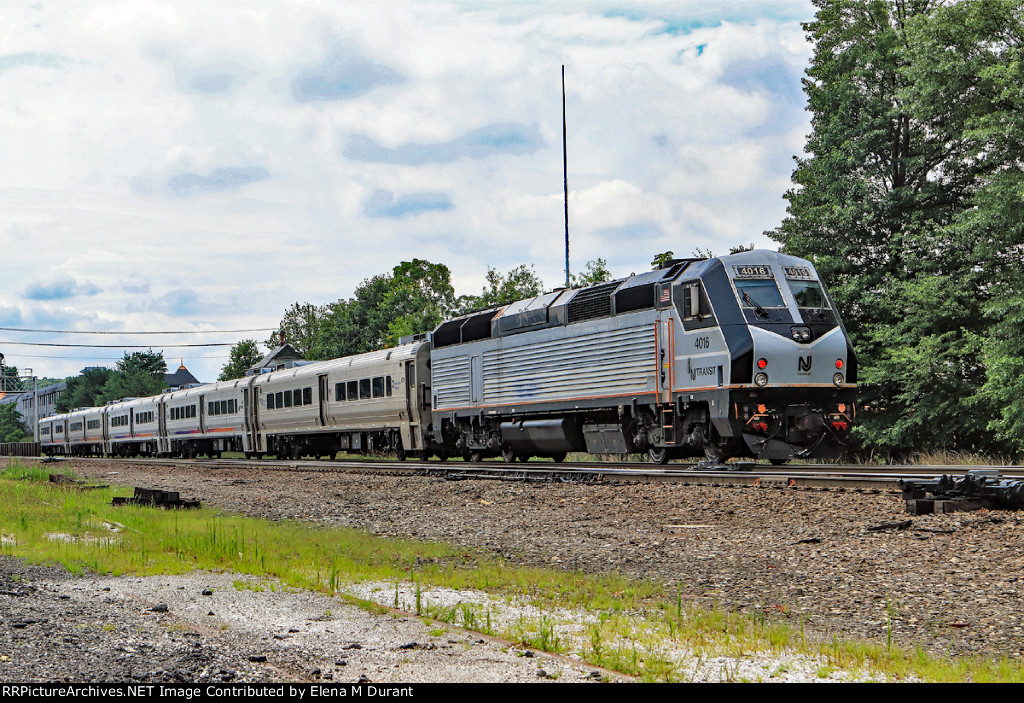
x,y
300,327
82,391
244,355
413,298
661,259
138,375
501,289
965,73
12,429
597,272
881,184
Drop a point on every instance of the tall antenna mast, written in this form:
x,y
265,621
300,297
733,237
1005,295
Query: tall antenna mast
x,y
565,181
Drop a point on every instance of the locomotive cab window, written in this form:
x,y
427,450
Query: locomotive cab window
x,y
692,305
759,292
808,294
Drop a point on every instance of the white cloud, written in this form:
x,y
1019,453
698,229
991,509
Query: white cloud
x,y
161,154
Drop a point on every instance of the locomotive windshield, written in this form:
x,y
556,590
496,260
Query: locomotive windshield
x,y
808,294
759,293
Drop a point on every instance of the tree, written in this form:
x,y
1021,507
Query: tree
x,y
12,429
661,259
244,355
881,184
82,391
597,272
518,284
138,375
300,328
966,72
415,297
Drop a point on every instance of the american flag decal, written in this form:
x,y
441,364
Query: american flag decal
x,y
664,295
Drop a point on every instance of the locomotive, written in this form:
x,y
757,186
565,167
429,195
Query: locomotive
x,y
734,356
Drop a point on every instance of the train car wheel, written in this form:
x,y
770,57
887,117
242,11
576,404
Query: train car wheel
x,y
508,454
558,458
658,455
476,457
717,451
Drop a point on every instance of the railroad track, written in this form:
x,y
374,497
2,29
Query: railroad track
x,y
822,476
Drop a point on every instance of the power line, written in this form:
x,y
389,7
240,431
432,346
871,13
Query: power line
x,y
99,358
20,329
117,346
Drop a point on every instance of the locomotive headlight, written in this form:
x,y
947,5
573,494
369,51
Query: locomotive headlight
x,y
801,334
761,379
838,379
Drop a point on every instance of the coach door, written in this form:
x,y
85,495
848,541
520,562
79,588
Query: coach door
x,y
254,438
324,390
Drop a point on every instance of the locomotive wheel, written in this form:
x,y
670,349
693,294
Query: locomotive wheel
x,y
508,454
717,451
658,455
476,456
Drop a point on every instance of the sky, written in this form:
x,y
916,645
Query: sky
x,y
199,167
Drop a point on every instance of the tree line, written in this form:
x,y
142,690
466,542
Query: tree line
x,y
909,200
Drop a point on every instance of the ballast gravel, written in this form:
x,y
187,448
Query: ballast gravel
x,y
833,564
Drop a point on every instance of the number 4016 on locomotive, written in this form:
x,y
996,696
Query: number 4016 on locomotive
x,y
734,356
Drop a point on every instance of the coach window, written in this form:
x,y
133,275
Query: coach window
x,y
270,401
353,390
307,396
364,388
287,398
387,386
339,391
378,387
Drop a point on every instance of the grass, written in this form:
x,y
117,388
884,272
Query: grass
x,y
635,627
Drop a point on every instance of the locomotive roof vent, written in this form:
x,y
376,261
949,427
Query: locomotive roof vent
x,y
595,301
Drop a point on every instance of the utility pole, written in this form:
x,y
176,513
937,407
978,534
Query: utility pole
x,y
565,180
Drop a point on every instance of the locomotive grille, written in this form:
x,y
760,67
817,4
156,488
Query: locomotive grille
x,y
592,302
